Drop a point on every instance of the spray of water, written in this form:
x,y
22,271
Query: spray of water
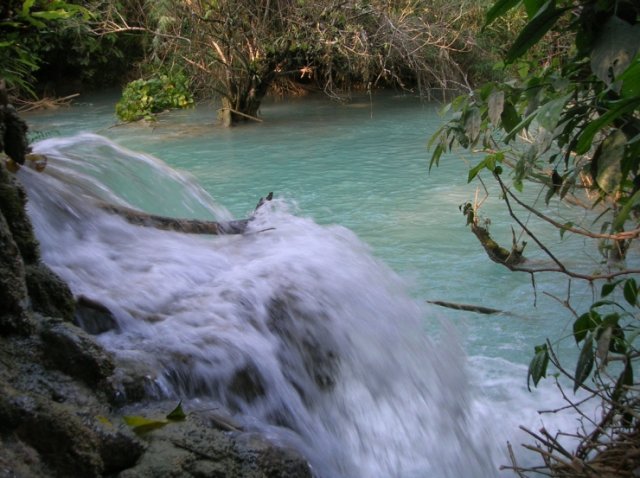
x,y
294,327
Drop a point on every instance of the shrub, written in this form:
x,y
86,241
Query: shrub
x,y
142,99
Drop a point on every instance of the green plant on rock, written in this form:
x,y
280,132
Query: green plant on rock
x,y
144,98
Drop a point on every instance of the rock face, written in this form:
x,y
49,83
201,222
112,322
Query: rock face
x,y
59,407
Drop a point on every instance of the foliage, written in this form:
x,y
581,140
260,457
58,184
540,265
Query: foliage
x,y
569,124
143,98
49,47
20,22
239,49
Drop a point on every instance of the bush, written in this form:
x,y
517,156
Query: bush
x,y
143,98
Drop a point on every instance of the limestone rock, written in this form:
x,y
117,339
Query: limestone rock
x,y
74,352
93,317
191,448
49,295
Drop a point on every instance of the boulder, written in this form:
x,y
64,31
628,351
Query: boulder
x,y
73,351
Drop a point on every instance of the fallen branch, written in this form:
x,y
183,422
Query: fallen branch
x,y
189,226
468,307
236,112
45,103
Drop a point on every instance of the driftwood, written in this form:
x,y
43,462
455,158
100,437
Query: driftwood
x,y
189,226
45,103
470,308
497,253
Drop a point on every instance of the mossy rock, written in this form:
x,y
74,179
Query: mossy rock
x,y
49,294
74,352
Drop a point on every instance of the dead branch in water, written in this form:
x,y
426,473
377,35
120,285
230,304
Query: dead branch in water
x,y
45,103
189,226
468,307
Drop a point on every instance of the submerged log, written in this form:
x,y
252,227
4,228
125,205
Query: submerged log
x,y
468,307
189,226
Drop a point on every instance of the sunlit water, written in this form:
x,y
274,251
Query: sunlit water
x,y
313,327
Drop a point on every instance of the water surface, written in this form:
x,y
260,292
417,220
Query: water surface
x,y
360,236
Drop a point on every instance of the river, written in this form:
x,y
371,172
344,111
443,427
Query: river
x,y
314,327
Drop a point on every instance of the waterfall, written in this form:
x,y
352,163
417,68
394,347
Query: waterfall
x,y
295,328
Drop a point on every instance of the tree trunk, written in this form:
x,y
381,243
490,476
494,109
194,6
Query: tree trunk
x,y
243,100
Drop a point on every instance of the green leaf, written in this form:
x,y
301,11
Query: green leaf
x,y
472,124
631,79
608,288
618,109
519,127
143,425
631,292
549,113
625,211
495,106
539,25
435,157
565,227
498,9
532,6
510,117
608,159
538,365
585,363
584,324
473,172
628,374
614,49
52,15
26,7
177,413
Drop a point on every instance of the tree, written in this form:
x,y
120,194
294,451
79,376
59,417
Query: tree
x,y
569,124
238,50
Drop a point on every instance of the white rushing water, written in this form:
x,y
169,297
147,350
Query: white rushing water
x,y
294,327
297,328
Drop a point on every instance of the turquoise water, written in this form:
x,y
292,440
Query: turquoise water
x,y
364,166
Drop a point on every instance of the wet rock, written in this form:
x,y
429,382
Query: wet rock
x,y
64,436
49,294
309,354
262,457
247,383
74,352
118,450
191,448
93,317
13,290
13,200
133,381
57,434
15,240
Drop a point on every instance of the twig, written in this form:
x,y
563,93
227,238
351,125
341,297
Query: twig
x,y
241,114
